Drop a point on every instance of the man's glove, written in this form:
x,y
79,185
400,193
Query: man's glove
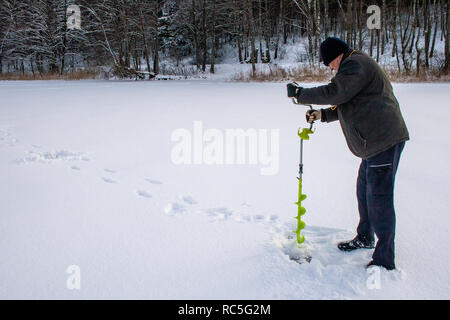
x,y
293,90
313,115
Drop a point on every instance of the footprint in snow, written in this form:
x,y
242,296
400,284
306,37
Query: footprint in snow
x,y
175,208
75,168
49,156
143,193
188,200
219,214
241,218
262,218
110,171
7,138
251,218
108,180
259,218
153,181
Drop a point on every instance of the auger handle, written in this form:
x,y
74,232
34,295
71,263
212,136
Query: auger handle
x,y
312,124
295,101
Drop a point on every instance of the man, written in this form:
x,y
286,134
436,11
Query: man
x,y
363,101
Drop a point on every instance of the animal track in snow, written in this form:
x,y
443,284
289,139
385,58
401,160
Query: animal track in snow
x,y
75,168
110,171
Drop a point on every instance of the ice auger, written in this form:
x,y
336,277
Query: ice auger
x,y
303,134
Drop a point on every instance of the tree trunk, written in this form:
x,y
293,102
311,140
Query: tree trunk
x,y
63,49
317,27
156,30
310,32
252,36
237,27
447,42
361,25
261,57
267,32
280,24
325,22
418,50
435,28
213,39
383,26
205,47
395,36
427,30
415,14
349,24
144,40
195,35
371,43
378,45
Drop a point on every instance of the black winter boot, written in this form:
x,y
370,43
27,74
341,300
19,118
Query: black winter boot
x,y
356,243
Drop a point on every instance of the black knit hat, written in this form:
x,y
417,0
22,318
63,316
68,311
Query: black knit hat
x,y
332,48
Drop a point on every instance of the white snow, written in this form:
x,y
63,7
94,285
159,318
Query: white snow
x,y
87,180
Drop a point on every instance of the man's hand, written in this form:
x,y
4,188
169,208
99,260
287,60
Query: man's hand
x,y
313,115
293,90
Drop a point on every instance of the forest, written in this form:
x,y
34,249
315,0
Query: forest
x,y
135,37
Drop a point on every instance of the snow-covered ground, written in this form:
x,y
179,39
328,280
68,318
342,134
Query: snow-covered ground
x,y
87,178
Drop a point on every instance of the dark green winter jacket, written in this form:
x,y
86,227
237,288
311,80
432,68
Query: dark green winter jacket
x,y
364,104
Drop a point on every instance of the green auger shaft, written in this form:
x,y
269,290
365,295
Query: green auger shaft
x,y
301,212
303,135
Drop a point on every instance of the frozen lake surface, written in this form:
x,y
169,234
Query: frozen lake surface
x,y
88,179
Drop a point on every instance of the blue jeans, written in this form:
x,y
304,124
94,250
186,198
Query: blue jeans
x,y
375,192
